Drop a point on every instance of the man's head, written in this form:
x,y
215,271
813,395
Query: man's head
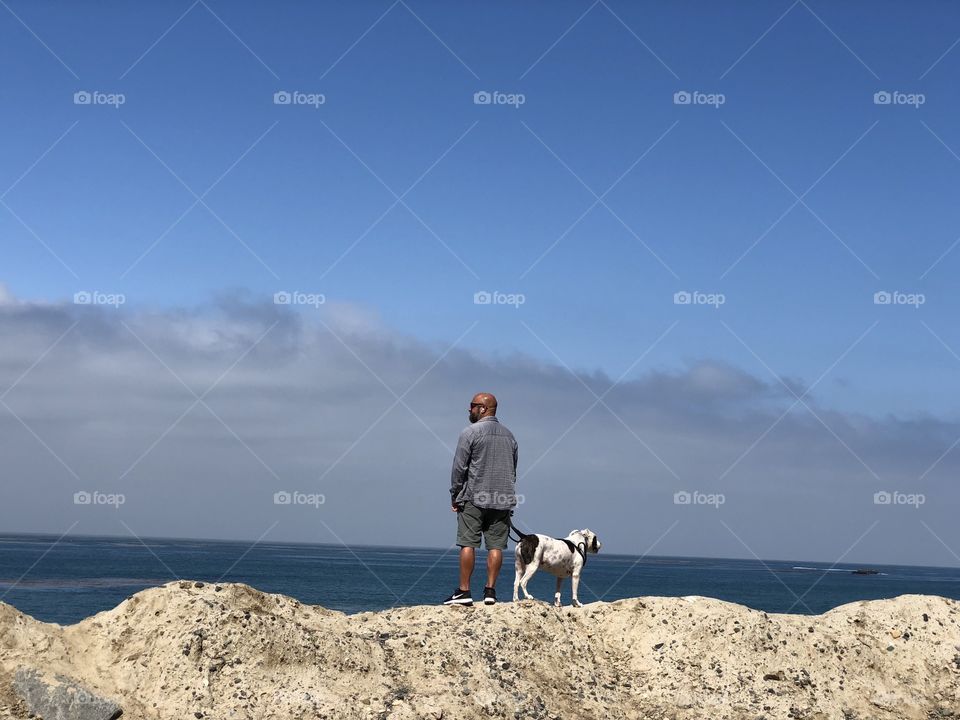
x,y
483,405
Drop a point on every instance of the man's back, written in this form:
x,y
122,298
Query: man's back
x,y
485,465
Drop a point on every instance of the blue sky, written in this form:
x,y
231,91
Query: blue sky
x,y
597,97
694,197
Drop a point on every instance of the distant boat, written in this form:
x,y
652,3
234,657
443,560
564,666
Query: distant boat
x,y
858,571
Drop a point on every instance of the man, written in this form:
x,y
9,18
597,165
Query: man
x,y
482,494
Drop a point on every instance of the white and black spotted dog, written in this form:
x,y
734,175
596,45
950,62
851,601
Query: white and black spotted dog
x,y
564,558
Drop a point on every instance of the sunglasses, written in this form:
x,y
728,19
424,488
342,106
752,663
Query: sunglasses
x,y
473,405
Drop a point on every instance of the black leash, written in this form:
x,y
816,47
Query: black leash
x,y
513,528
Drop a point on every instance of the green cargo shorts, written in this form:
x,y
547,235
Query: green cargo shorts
x,y
473,520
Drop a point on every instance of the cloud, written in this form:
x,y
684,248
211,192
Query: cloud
x,y
199,416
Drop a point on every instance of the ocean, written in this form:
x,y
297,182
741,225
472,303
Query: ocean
x,y
74,578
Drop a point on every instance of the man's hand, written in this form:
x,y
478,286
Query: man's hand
x,y
455,507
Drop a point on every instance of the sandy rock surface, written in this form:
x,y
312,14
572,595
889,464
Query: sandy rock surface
x,y
194,650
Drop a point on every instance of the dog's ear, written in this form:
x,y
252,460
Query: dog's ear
x,y
595,544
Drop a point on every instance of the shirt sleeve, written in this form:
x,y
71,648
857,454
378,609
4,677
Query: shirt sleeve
x,y
515,455
461,461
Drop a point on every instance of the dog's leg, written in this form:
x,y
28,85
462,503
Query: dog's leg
x,y
556,595
519,567
530,570
575,581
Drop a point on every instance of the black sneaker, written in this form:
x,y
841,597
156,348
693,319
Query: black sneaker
x,y
459,597
489,596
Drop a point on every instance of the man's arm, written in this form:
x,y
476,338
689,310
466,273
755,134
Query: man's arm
x,y
461,462
515,454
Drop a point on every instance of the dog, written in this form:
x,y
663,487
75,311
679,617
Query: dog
x,y
563,558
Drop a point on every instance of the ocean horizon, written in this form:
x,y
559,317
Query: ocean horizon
x,y
66,579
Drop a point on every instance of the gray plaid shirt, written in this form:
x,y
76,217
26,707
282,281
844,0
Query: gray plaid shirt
x,y
485,466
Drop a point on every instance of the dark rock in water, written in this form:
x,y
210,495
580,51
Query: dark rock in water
x,y
865,571
61,698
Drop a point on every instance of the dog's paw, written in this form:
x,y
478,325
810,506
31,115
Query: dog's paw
x,y
577,603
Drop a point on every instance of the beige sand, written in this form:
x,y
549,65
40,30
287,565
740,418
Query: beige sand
x,y
189,651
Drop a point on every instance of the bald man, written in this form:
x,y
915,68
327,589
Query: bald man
x,y
482,485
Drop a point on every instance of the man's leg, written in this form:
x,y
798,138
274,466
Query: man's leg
x,y
466,567
494,561
468,538
495,533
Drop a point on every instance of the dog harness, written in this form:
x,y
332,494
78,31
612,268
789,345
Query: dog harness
x,y
579,548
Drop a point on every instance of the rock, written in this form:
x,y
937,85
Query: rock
x,y
60,698
251,654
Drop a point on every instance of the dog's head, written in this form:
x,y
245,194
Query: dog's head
x,y
590,540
